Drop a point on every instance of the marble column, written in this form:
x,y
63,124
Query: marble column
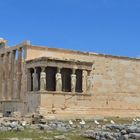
x,y
73,81
23,76
89,82
84,77
6,75
15,88
19,74
29,80
12,62
35,80
58,77
9,73
3,77
42,79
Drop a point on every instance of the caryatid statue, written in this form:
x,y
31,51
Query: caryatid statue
x,y
58,80
43,80
89,83
35,80
73,82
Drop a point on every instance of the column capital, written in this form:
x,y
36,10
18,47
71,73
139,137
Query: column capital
x,y
19,49
59,69
88,72
73,71
7,53
13,51
35,69
43,68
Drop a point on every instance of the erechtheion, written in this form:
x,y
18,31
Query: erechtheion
x,y
67,83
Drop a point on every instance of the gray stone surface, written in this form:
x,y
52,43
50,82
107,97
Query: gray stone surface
x,y
92,131
45,127
60,137
114,132
134,136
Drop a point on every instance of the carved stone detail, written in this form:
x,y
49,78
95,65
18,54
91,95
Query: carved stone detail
x,y
35,80
89,84
43,80
58,77
73,82
58,81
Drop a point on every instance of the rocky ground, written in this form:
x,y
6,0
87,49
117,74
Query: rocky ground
x,y
37,127
114,132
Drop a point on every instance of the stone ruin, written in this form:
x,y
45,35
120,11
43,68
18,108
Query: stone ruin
x,y
62,83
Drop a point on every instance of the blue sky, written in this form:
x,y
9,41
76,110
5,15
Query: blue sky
x,y
102,26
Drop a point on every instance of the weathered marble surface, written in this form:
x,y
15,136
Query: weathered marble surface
x,y
58,82
73,82
43,81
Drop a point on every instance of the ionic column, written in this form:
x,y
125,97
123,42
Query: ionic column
x,y
58,77
15,88
73,81
84,79
89,82
3,77
9,73
19,64
6,76
43,79
28,80
35,80
12,63
23,76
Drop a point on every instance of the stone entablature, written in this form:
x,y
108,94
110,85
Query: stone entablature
x,y
69,63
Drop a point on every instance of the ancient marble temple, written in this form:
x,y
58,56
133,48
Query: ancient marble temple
x,y
65,83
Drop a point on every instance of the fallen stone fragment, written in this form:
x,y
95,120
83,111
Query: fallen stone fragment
x,y
131,129
115,126
13,124
45,127
123,132
16,114
61,128
60,137
102,135
20,128
125,137
134,136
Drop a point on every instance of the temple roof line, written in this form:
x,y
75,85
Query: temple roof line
x,y
88,53
28,44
